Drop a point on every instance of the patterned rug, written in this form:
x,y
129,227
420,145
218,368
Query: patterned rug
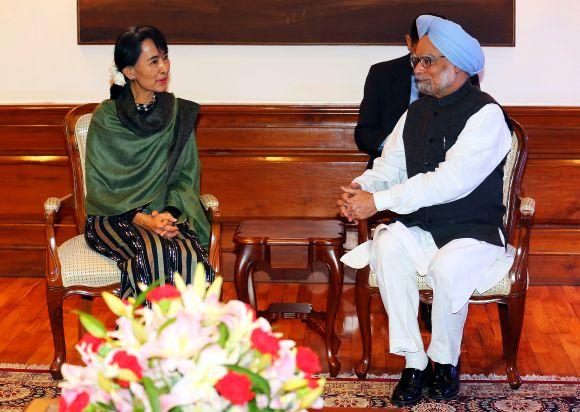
x,y
490,394
19,386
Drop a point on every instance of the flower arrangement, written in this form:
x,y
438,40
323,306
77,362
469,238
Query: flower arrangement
x,y
187,351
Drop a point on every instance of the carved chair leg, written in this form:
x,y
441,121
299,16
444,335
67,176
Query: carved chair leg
x,y
54,299
511,317
330,256
87,307
363,312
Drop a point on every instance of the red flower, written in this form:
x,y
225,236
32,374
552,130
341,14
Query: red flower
x,y
236,388
265,342
312,383
77,405
92,343
307,360
126,361
163,292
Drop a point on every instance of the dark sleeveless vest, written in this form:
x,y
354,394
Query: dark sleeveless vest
x,y
431,129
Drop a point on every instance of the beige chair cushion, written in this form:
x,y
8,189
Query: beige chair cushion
x,y
82,266
501,288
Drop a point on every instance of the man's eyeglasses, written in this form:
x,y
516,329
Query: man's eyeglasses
x,y
426,61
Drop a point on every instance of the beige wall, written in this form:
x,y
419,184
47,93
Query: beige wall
x,y
41,62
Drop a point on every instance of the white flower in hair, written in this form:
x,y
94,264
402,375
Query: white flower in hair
x,y
117,76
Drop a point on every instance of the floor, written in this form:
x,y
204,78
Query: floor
x,y
550,342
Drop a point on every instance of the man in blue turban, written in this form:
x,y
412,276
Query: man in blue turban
x,y
441,171
389,89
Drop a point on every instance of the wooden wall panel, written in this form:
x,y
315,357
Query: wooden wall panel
x,y
32,140
279,161
553,131
555,184
26,181
268,186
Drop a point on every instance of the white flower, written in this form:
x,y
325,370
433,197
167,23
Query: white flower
x,y
117,76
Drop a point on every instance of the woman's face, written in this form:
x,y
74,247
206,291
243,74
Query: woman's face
x,y
150,74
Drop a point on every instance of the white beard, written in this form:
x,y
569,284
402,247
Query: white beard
x,y
445,79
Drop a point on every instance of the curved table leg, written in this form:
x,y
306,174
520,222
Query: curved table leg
x,y
246,256
330,256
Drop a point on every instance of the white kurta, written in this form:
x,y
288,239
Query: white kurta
x,y
398,253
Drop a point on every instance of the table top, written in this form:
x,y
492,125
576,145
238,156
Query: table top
x,y
290,232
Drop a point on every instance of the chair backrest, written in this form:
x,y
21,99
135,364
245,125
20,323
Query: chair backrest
x,y
76,126
512,178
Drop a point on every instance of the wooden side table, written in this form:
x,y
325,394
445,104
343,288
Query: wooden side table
x,y
324,240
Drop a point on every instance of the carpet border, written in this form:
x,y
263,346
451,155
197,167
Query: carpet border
x,y
22,367
472,378
476,378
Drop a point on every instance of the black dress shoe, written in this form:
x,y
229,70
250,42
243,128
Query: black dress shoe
x,y
409,390
445,383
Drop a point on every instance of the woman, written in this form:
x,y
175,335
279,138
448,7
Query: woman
x,y
142,170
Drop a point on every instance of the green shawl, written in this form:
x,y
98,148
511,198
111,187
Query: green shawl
x,y
125,170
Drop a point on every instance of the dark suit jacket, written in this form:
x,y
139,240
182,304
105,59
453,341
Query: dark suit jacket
x,y
386,97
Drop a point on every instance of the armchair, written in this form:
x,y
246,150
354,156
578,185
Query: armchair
x,y
509,293
73,268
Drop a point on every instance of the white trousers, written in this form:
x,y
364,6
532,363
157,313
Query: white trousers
x,y
461,263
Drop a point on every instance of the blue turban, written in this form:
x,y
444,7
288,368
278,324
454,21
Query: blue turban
x,y
450,39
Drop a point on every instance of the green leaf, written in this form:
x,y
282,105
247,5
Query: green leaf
x,y
165,324
224,334
152,394
89,408
164,304
259,384
104,350
143,295
92,324
252,407
103,407
138,405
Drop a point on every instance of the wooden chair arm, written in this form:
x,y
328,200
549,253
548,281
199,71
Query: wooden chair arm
x,y
520,271
211,206
363,230
52,206
527,206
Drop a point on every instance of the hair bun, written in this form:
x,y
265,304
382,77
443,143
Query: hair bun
x,y
116,91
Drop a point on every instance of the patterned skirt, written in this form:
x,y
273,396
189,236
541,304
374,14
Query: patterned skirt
x,y
144,256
